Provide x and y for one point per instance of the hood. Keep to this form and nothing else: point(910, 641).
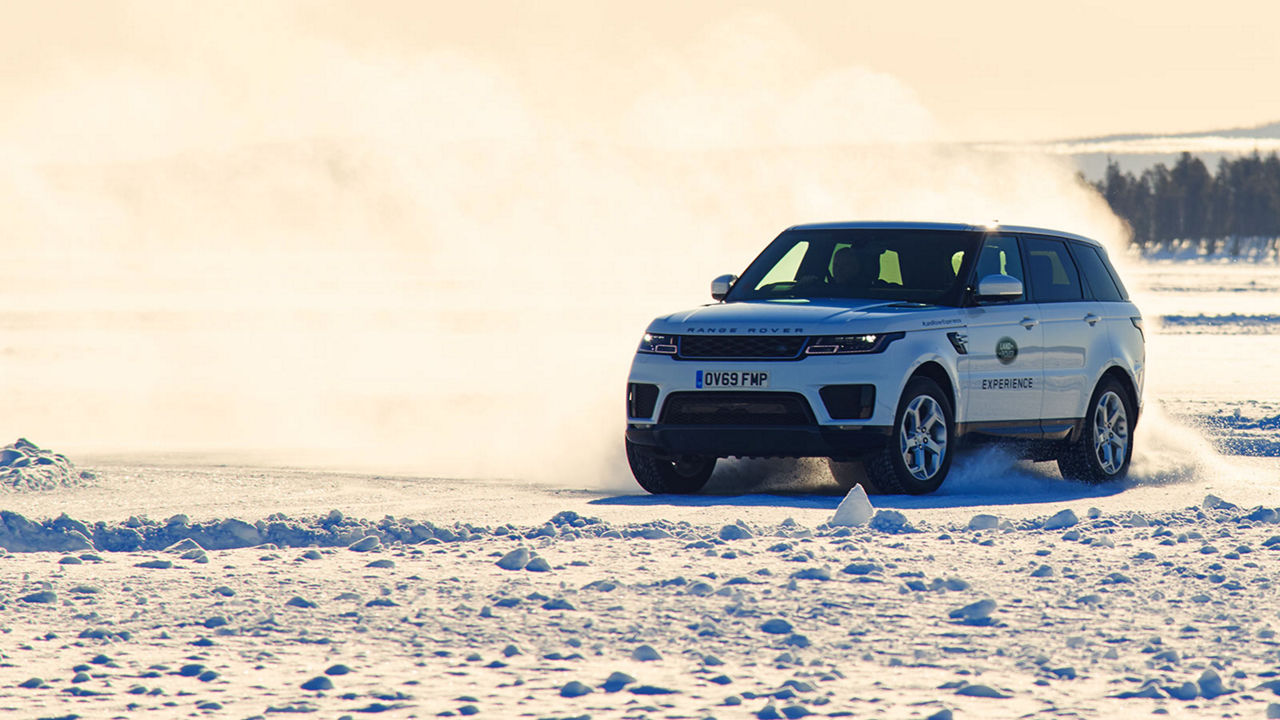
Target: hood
point(801, 317)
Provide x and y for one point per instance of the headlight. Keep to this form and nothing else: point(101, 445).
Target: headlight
point(851, 344)
point(660, 344)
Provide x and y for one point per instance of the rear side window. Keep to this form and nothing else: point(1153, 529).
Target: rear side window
point(1115, 276)
point(1094, 269)
point(1053, 274)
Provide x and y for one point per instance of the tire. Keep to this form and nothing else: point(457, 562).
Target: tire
point(848, 473)
point(1103, 451)
point(679, 475)
point(917, 456)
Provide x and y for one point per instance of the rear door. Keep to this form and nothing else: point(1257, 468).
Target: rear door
point(1004, 360)
point(1075, 338)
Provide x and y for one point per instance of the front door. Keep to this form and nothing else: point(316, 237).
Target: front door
point(1005, 360)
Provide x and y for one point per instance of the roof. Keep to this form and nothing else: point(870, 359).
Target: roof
point(954, 227)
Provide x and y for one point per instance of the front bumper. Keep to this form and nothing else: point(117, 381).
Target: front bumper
point(807, 377)
point(841, 443)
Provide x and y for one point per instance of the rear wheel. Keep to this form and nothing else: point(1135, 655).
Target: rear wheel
point(676, 474)
point(916, 458)
point(1102, 452)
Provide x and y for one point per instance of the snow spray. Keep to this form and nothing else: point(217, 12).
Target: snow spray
point(405, 261)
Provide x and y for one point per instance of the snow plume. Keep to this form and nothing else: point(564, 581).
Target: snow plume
point(254, 238)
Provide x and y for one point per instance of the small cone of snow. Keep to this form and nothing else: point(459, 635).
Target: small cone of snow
point(854, 509)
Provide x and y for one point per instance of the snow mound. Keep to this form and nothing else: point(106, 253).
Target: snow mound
point(855, 509)
point(26, 467)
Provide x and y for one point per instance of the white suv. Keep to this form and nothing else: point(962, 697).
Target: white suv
point(882, 345)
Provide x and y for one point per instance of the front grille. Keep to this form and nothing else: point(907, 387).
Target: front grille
point(736, 408)
point(725, 347)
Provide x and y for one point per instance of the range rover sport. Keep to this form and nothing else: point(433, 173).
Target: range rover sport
point(882, 346)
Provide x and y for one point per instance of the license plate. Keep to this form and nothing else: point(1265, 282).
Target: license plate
point(731, 379)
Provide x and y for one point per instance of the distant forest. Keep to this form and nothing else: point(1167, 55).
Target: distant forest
point(1234, 210)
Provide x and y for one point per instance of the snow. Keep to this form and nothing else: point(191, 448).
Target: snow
point(855, 509)
point(25, 467)
point(171, 586)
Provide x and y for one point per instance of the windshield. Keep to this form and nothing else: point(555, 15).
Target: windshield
point(918, 266)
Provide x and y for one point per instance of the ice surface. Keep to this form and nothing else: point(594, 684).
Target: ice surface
point(203, 586)
point(1101, 634)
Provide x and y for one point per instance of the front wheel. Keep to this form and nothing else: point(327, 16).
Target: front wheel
point(680, 474)
point(917, 456)
point(1104, 449)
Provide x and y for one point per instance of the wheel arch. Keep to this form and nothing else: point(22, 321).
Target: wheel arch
point(1126, 382)
point(937, 373)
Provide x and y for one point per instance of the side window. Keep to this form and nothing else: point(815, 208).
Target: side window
point(1000, 256)
point(1095, 273)
point(1053, 274)
point(1115, 276)
point(787, 267)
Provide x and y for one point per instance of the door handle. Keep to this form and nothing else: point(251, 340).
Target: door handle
point(1092, 319)
point(1028, 323)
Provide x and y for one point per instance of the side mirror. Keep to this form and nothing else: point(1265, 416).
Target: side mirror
point(999, 287)
point(720, 286)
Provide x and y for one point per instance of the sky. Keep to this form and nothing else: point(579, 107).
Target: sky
point(991, 70)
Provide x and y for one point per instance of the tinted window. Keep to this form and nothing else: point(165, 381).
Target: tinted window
point(904, 265)
point(1095, 273)
point(1000, 256)
point(1115, 276)
point(1053, 274)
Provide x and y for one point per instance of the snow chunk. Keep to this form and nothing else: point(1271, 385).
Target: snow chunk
point(318, 683)
point(861, 568)
point(855, 509)
point(644, 653)
point(1063, 519)
point(813, 573)
point(573, 689)
point(891, 522)
point(734, 532)
point(776, 626)
point(515, 560)
point(26, 467)
point(984, 522)
point(1213, 502)
point(1211, 685)
point(983, 691)
point(617, 680)
point(368, 543)
point(44, 597)
point(978, 613)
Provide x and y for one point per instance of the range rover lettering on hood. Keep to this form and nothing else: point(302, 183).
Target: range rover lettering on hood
point(744, 331)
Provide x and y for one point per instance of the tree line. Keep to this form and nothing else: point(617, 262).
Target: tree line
point(1234, 210)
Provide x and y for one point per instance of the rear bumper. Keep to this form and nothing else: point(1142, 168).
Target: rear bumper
point(842, 443)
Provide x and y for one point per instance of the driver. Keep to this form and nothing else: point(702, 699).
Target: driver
point(848, 270)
